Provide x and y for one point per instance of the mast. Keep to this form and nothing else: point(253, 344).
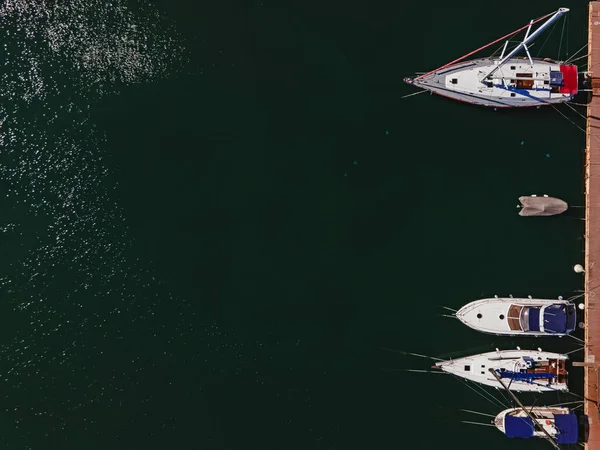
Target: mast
point(528, 38)
point(533, 419)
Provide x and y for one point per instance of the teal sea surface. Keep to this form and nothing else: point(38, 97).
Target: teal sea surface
point(221, 223)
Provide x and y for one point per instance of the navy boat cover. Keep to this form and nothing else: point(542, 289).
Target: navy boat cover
point(524, 376)
point(534, 319)
point(555, 319)
point(520, 427)
point(567, 428)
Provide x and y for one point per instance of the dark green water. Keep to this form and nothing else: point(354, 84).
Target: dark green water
point(216, 217)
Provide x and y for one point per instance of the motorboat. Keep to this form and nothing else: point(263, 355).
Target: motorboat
point(520, 316)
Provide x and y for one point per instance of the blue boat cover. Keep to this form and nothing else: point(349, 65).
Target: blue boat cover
point(523, 376)
point(556, 78)
point(520, 427)
point(567, 428)
point(529, 360)
point(555, 319)
point(534, 319)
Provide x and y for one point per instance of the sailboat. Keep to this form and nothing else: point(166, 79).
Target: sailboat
point(520, 316)
point(524, 370)
point(539, 422)
point(508, 81)
point(556, 424)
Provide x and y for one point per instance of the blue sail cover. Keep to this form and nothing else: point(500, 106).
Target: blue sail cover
point(555, 319)
point(567, 428)
point(519, 427)
point(523, 376)
point(534, 319)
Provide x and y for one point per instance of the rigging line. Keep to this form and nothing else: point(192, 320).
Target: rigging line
point(547, 37)
point(504, 396)
point(478, 423)
point(485, 46)
point(414, 93)
point(576, 112)
point(498, 50)
point(576, 350)
point(477, 412)
point(576, 53)
point(508, 388)
point(448, 315)
point(562, 114)
point(574, 394)
point(561, 37)
point(514, 397)
point(486, 395)
point(533, 404)
point(577, 104)
point(412, 354)
point(577, 339)
point(417, 371)
point(449, 309)
point(568, 24)
point(562, 404)
point(577, 59)
point(498, 400)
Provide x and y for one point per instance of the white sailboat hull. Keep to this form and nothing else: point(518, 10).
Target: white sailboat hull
point(520, 316)
point(517, 83)
point(548, 372)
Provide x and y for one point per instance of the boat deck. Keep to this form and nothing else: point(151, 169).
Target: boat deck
point(592, 234)
point(514, 317)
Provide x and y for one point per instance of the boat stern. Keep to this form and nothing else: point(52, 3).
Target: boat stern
point(559, 318)
point(570, 79)
point(571, 317)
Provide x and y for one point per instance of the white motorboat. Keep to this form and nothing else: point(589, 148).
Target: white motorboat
point(520, 316)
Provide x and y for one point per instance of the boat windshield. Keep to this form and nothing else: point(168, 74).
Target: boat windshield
point(530, 319)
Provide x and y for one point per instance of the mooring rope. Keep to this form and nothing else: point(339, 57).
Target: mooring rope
point(576, 53)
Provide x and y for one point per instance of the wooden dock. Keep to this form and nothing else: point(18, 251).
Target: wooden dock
point(592, 235)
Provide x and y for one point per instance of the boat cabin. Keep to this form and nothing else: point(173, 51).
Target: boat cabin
point(528, 370)
point(556, 318)
point(523, 81)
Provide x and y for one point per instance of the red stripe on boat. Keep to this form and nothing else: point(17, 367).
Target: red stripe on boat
point(569, 79)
